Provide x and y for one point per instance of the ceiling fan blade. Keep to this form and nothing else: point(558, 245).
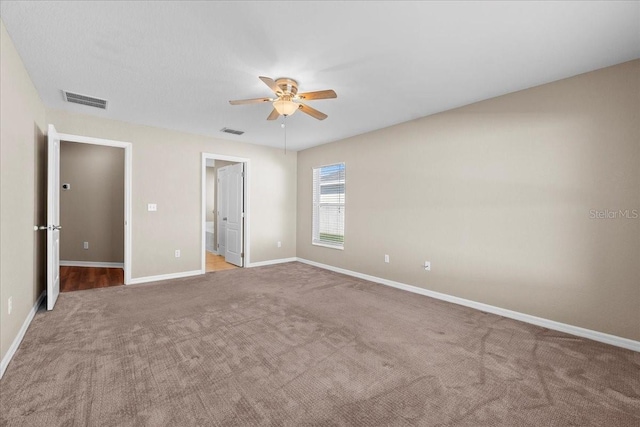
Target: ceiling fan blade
point(274, 115)
point(321, 94)
point(250, 101)
point(271, 83)
point(312, 112)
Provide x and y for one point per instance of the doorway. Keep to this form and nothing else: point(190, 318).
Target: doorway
point(53, 226)
point(225, 212)
point(92, 211)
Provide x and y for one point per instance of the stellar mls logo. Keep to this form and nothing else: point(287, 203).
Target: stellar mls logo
point(614, 214)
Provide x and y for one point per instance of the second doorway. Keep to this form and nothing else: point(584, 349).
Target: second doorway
point(224, 219)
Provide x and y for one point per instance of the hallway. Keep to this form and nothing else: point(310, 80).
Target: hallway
point(217, 263)
point(82, 278)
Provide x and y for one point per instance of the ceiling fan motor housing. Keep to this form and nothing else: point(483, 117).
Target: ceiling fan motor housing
point(287, 86)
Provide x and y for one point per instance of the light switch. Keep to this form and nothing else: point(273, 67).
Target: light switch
point(152, 207)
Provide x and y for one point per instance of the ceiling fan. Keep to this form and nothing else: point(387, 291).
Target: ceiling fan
point(288, 100)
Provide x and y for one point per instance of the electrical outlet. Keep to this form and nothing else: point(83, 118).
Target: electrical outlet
point(86, 245)
point(386, 258)
point(152, 207)
point(177, 253)
point(279, 244)
point(10, 304)
point(427, 265)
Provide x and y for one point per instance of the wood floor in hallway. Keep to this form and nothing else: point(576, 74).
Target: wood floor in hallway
point(217, 263)
point(81, 278)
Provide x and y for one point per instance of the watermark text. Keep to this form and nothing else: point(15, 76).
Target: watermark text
point(614, 214)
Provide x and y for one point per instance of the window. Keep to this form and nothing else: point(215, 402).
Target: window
point(328, 206)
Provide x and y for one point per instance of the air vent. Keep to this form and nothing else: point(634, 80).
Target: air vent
point(85, 100)
point(233, 131)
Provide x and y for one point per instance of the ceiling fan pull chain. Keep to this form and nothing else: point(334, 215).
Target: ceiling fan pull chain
point(284, 120)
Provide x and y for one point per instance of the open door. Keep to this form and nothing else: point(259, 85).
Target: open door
point(235, 214)
point(221, 217)
point(53, 217)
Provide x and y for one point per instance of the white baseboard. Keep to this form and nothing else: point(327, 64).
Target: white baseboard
point(97, 264)
point(538, 321)
point(180, 275)
point(271, 262)
point(18, 339)
point(212, 252)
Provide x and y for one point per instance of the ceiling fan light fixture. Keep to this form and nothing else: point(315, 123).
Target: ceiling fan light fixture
point(286, 91)
point(285, 107)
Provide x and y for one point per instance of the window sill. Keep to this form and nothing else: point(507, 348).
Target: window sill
point(340, 248)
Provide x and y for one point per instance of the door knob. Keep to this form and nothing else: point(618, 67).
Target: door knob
point(44, 227)
point(224, 219)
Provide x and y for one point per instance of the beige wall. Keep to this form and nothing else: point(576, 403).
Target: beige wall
point(22, 115)
point(92, 210)
point(497, 195)
point(166, 171)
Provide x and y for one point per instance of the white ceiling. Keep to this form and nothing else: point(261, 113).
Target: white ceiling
point(176, 64)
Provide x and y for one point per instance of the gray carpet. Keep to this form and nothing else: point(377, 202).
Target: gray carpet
point(294, 345)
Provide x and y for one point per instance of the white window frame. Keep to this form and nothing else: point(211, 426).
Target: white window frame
point(315, 215)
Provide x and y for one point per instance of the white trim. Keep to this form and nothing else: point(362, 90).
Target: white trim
point(159, 277)
point(212, 252)
point(326, 245)
point(527, 318)
point(91, 140)
point(203, 202)
point(128, 216)
point(18, 339)
point(272, 262)
point(68, 263)
point(128, 176)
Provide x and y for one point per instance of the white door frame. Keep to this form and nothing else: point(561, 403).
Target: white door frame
point(247, 210)
point(128, 161)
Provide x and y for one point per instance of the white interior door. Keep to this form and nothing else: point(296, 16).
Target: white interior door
point(53, 217)
point(235, 214)
point(221, 218)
